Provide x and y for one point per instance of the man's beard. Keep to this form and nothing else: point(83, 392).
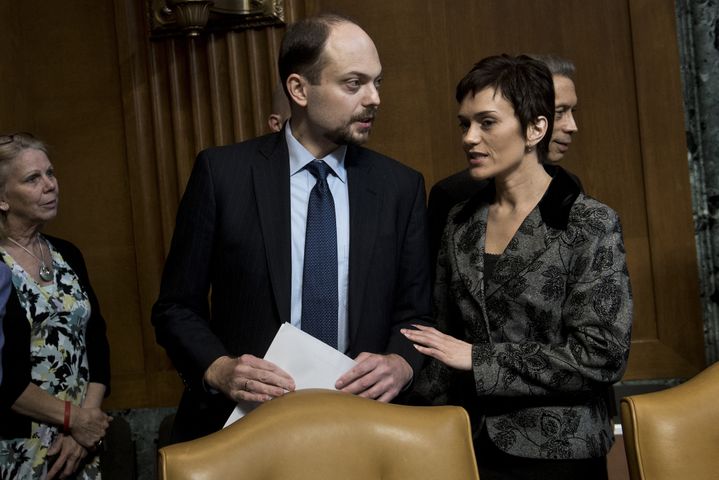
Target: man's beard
point(344, 135)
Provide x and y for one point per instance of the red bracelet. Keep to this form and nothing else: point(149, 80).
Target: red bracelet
point(66, 422)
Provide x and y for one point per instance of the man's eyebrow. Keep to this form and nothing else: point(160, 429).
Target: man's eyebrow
point(357, 73)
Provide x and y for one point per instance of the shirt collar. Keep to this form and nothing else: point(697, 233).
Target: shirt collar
point(300, 157)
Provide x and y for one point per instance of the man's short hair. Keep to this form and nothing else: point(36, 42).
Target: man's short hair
point(557, 65)
point(524, 82)
point(302, 47)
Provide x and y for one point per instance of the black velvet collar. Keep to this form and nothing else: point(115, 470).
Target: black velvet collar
point(554, 205)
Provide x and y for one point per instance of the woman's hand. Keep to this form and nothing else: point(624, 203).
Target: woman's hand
point(88, 425)
point(445, 348)
point(70, 455)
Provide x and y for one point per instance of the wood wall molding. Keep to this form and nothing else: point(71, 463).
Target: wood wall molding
point(675, 347)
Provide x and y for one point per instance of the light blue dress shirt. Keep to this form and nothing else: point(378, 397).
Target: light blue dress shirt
point(301, 183)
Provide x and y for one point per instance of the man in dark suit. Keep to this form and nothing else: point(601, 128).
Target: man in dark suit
point(460, 186)
point(242, 227)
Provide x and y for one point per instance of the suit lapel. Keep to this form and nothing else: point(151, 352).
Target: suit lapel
point(468, 241)
point(364, 199)
point(521, 255)
point(529, 242)
point(271, 180)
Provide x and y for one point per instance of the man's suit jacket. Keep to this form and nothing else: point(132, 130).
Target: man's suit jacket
point(550, 329)
point(233, 235)
point(444, 195)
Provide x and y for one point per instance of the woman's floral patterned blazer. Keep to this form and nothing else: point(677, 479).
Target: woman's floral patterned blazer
point(551, 330)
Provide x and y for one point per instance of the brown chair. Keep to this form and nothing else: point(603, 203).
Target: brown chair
point(324, 434)
point(674, 433)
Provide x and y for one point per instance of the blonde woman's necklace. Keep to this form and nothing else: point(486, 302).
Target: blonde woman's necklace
point(44, 272)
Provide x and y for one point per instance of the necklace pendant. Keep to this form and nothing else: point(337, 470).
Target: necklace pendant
point(45, 273)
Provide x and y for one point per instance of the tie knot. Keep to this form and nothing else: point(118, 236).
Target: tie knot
point(319, 169)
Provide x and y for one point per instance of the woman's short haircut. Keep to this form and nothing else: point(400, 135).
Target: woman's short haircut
point(524, 82)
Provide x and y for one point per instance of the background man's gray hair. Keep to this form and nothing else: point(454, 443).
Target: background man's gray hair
point(556, 64)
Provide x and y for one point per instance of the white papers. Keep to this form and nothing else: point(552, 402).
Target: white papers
point(310, 362)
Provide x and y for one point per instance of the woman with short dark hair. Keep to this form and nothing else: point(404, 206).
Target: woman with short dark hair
point(532, 293)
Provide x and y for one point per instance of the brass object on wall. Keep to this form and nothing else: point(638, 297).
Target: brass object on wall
point(193, 17)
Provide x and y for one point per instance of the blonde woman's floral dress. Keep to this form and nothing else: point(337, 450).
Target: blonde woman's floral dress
point(58, 314)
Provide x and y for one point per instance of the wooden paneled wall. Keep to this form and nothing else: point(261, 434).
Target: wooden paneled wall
point(59, 79)
point(126, 116)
